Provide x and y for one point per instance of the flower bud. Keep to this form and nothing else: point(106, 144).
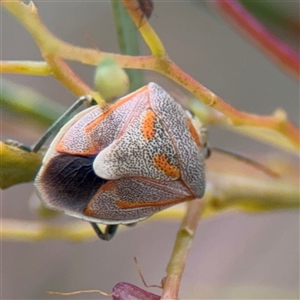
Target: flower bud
point(110, 80)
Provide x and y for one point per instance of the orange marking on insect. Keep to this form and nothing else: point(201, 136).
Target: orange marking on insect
point(124, 204)
point(148, 129)
point(60, 146)
point(161, 163)
point(62, 149)
point(194, 133)
point(90, 212)
point(112, 108)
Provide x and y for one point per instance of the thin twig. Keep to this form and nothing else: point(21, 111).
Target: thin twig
point(63, 73)
point(242, 190)
point(149, 35)
point(276, 49)
point(27, 231)
point(25, 67)
point(28, 16)
point(181, 250)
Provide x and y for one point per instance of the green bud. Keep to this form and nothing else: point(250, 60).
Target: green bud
point(110, 80)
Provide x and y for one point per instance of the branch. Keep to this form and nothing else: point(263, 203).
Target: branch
point(241, 191)
point(250, 194)
point(63, 73)
point(29, 103)
point(149, 35)
point(25, 67)
point(181, 250)
point(17, 165)
point(27, 231)
point(128, 40)
point(49, 44)
point(283, 55)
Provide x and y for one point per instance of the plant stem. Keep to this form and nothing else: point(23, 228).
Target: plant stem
point(27, 231)
point(149, 35)
point(25, 67)
point(128, 41)
point(49, 44)
point(181, 250)
point(63, 73)
point(223, 191)
point(277, 50)
point(29, 103)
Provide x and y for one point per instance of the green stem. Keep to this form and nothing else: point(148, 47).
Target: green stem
point(29, 103)
point(128, 41)
point(181, 250)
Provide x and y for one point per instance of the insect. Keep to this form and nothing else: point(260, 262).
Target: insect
point(121, 164)
point(121, 291)
point(146, 6)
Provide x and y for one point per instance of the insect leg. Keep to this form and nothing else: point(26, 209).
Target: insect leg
point(61, 121)
point(109, 233)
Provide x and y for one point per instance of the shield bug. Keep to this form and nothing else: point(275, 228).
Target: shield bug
point(120, 165)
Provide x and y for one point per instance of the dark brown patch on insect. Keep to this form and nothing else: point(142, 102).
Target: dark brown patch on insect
point(69, 181)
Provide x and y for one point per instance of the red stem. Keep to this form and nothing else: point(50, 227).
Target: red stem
point(281, 53)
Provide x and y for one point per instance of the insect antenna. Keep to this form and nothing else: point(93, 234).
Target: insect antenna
point(142, 277)
point(248, 161)
point(61, 121)
point(79, 292)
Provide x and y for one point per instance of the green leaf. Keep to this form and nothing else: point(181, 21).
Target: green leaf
point(128, 41)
